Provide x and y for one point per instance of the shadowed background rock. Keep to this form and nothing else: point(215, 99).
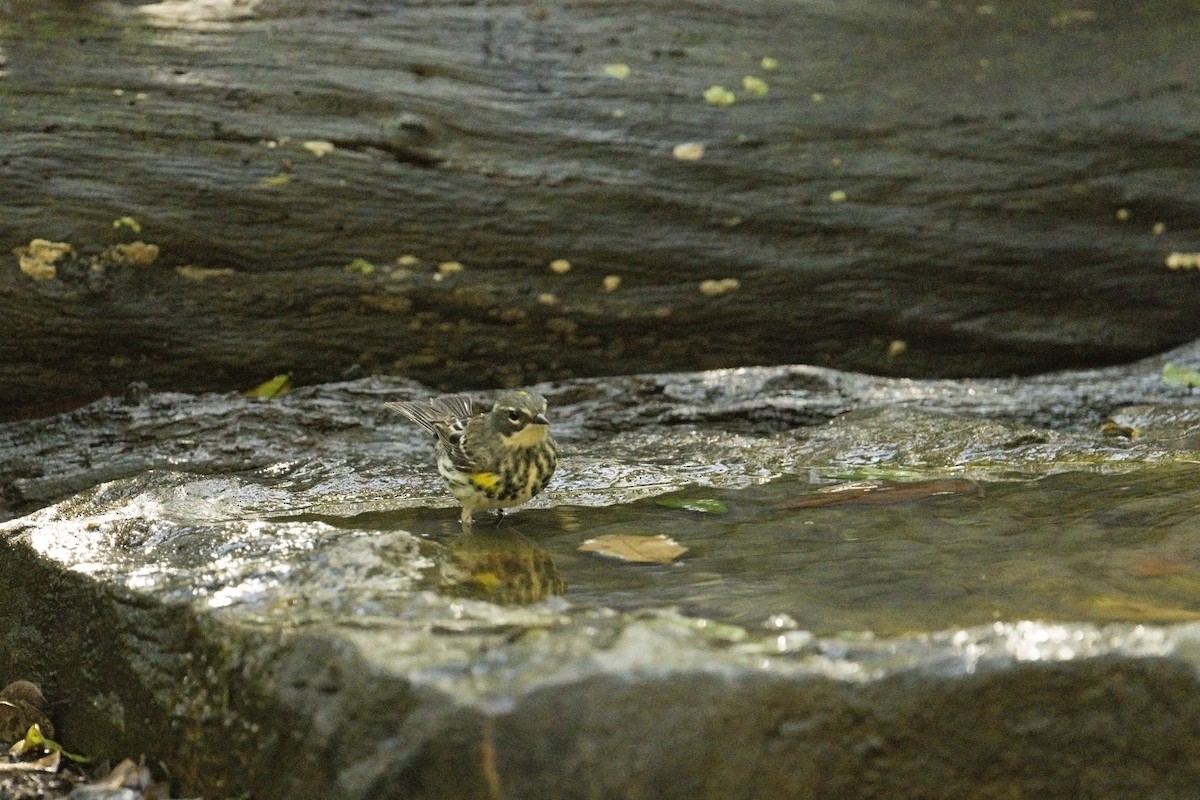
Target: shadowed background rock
point(901, 188)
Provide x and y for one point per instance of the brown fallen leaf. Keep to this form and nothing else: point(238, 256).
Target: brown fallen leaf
point(880, 494)
point(635, 549)
point(1120, 609)
point(126, 775)
point(1162, 565)
point(21, 706)
point(46, 763)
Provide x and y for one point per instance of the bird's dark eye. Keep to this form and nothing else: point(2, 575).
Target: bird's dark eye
point(514, 416)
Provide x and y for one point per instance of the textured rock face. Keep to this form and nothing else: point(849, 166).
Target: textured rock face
point(922, 190)
point(272, 596)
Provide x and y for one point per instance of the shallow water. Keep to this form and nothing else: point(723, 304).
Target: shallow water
point(1072, 546)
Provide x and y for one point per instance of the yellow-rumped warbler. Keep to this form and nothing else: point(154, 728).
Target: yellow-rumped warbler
point(491, 460)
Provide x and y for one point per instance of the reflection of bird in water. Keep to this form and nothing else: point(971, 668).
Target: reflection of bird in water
point(491, 460)
point(500, 565)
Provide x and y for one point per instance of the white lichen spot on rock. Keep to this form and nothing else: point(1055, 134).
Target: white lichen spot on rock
point(39, 257)
point(688, 151)
point(1072, 17)
point(319, 147)
point(176, 12)
point(715, 288)
point(837, 196)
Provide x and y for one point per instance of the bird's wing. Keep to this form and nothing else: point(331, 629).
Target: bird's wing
point(424, 414)
point(453, 406)
point(446, 417)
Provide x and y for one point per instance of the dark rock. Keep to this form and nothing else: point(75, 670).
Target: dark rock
point(259, 595)
point(1003, 174)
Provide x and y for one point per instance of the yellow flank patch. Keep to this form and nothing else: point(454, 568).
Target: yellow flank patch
point(485, 480)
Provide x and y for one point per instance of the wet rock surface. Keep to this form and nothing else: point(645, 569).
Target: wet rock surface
point(923, 189)
point(274, 596)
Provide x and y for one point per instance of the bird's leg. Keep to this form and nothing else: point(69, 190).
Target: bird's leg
point(466, 518)
point(499, 516)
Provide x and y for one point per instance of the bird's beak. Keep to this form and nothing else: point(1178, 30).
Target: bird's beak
point(540, 419)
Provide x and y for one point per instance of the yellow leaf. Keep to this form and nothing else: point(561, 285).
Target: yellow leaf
point(769, 63)
point(753, 85)
point(137, 254)
point(194, 273)
point(271, 181)
point(1175, 375)
point(267, 390)
point(618, 71)
point(688, 151)
point(635, 549)
point(34, 737)
point(1183, 261)
point(128, 222)
point(716, 288)
point(719, 96)
point(38, 259)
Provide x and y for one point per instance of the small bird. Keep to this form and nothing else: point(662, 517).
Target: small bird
point(491, 460)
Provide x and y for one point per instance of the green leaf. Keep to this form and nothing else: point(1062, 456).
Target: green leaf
point(1175, 375)
point(76, 757)
point(360, 266)
point(719, 96)
point(704, 505)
